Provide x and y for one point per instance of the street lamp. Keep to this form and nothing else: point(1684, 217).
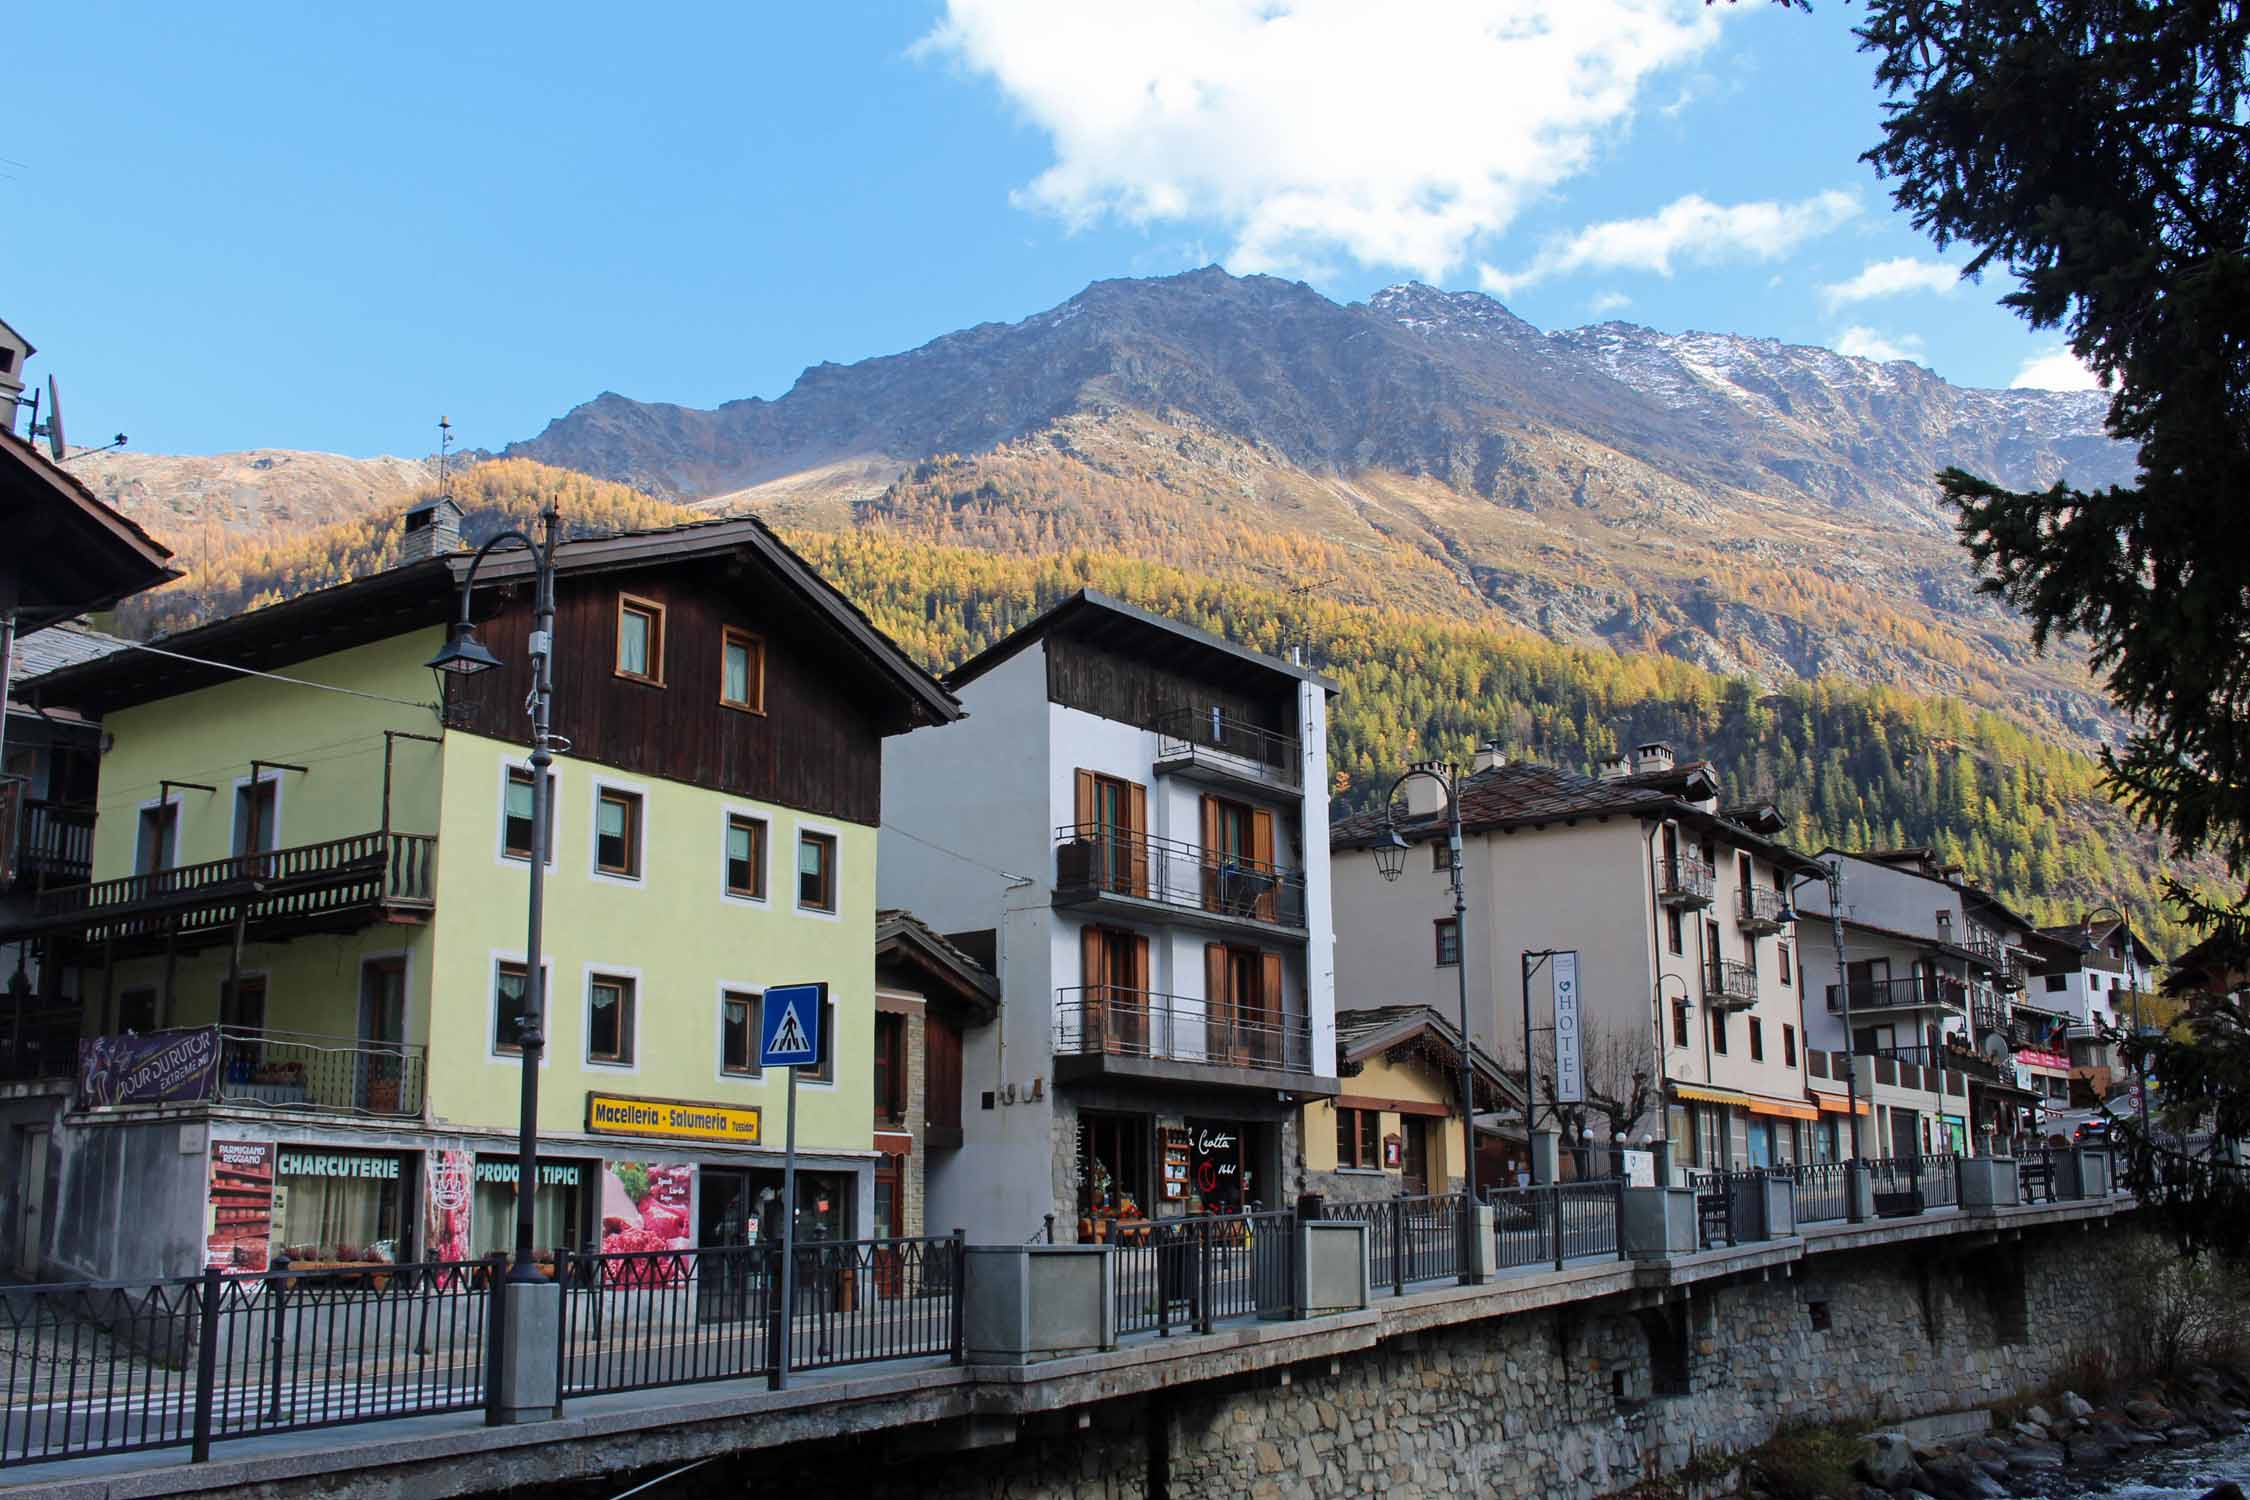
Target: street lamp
point(2086, 944)
point(1663, 1065)
point(1832, 875)
point(1390, 859)
point(463, 655)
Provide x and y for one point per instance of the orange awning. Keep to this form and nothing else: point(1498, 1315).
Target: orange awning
point(1702, 1095)
point(1784, 1111)
point(1839, 1106)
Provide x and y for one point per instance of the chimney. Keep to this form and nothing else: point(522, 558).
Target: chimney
point(1614, 768)
point(1488, 756)
point(1656, 755)
point(433, 529)
point(1423, 795)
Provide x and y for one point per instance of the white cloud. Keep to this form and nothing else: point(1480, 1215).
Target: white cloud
point(1396, 135)
point(1866, 343)
point(1691, 229)
point(1608, 302)
point(2057, 369)
point(1890, 278)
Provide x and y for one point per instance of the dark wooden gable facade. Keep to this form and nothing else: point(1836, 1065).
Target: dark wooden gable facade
point(817, 746)
point(1118, 682)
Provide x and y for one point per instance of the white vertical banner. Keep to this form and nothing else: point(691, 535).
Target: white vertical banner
point(1570, 1066)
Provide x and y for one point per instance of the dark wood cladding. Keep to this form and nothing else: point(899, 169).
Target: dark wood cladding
point(817, 747)
point(941, 1080)
point(1133, 690)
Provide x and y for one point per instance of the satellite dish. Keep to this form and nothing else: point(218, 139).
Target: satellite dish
point(54, 419)
point(1996, 1046)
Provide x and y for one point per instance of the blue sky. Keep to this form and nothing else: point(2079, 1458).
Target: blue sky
point(320, 227)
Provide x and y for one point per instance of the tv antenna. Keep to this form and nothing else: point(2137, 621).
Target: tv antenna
point(444, 448)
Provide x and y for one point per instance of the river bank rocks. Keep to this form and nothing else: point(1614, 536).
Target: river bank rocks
point(2053, 1449)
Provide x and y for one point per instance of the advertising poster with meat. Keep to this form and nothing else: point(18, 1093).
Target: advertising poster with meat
point(647, 1206)
point(239, 1231)
point(446, 1204)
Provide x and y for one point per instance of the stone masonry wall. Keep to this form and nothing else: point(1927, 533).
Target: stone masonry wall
point(1560, 1404)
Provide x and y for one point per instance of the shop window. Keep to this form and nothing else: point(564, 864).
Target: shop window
point(516, 814)
point(746, 857)
point(742, 671)
point(558, 1207)
point(1113, 1170)
point(617, 833)
point(1359, 1143)
point(640, 640)
point(509, 1003)
point(610, 1020)
point(816, 872)
point(890, 1067)
point(1448, 933)
point(1757, 1040)
point(158, 845)
point(339, 1208)
point(738, 1035)
point(1788, 1045)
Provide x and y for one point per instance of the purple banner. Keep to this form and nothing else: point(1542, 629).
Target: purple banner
point(162, 1067)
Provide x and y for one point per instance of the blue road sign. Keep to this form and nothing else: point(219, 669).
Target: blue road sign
point(790, 1034)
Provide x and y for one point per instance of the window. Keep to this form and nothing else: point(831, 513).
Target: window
point(738, 1035)
point(617, 833)
point(816, 871)
point(1679, 1023)
point(890, 1067)
point(248, 1009)
point(509, 1002)
point(609, 1020)
point(1783, 950)
point(1718, 1030)
point(136, 1010)
point(2056, 983)
point(1757, 1040)
point(256, 804)
point(640, 639)
point(1359, 1142)
point(1788, 1045)
point(742, 670)
point(515, 815)
point(1448, 941)
point(1675, 933)
point(746, 857)
point(1441, 856)
point(159, 845)
point(825, 1071)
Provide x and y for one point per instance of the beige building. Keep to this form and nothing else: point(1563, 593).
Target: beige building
point(1680, 918)
point(1396, 1127)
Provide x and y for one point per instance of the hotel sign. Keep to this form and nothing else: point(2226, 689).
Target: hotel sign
point(672, 1119)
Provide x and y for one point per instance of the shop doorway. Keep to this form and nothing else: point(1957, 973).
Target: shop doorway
point(31, 1198)
point(1414, 1156)
point(1113, 1172)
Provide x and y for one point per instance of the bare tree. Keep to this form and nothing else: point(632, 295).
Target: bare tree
point(1621, 1084)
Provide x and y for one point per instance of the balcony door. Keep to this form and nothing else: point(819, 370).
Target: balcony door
point(1112, 816)
point(1115, 1016)
point(381, 1063)
point(1242, 1006)
point(1238, 867)
point(1870, 981)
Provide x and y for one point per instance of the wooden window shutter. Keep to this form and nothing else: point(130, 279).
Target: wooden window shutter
point(1139, 803)
point(1085, 803)
point(1136, 1024)
point(1218, 1001)
point(1271, 1013)
point(1093, 1008)
point(1261, 850)
point(1210, 853)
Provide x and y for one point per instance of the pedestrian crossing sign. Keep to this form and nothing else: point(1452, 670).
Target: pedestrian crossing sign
point(790, 1036)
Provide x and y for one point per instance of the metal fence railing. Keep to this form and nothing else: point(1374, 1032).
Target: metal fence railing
point(1819, 1190)
point(1409, 1239)
point(1906, 1185)
point(641, 1319)
point(1192, 1273)
point(183, 1362)
point(1555, 1223)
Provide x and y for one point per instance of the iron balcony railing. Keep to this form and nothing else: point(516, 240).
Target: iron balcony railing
point(2015, 970)
point(1093, 861)
point(1219, 741)
point(254, 1068)
point(1759, 908)
point(42, 841)
point(1098, 1020)
point(306, 882)
point(1684, 880)
point(1729, 984)
point(1914, 992)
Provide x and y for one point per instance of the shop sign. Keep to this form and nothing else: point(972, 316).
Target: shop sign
point(551, 1173)
point(1639, 1167)
point(1570, 1071)
point(446, 1207)
point(338, 1164)
point(238, 1225)
point(672, 1119)
point(162, 1067)
point(1219, 1177)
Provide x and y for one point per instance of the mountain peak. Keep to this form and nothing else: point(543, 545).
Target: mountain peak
point(1424, 309)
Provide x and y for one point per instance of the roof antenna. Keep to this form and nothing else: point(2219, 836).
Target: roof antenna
point(444, 445)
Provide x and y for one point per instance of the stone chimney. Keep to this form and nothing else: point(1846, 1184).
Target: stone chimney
point(1656, 755)
point(1488, 756)
point(433, 529)
point(1614, 768)
point(1423, 795)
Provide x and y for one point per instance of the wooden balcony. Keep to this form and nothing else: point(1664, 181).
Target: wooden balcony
point(276, 894)
point(43, 843)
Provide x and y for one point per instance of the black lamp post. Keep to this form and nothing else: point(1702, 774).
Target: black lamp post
point(463, 655)
point(2086, 944)
point(1832, 875)
point(1390, 859)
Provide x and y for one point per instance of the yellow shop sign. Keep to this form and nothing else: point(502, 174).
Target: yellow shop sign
point(671, 1119)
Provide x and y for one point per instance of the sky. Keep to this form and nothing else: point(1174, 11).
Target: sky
point(250, 225)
